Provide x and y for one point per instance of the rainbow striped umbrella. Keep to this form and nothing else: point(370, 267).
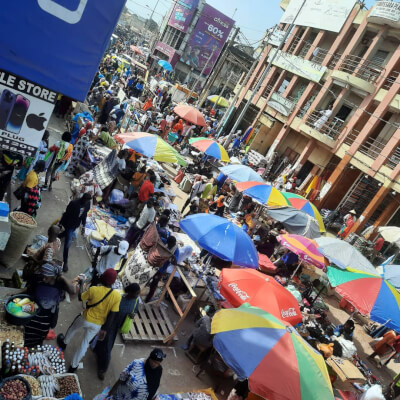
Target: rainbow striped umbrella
point(369, 294)
point(306, 249)
point(276, 360)
point(301, 203)
point(151, 146)
point(211, 148)
point(265, 194)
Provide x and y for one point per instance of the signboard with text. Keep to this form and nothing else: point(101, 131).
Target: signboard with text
point(327, 15)
point(281, 104)
point(208, 39)
point(385, 12)
point(25, 110)
point(297, 65)
point(57, 43)
point(182, 14)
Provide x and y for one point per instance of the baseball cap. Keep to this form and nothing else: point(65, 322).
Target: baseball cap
point(157, 355)
point(123, 247)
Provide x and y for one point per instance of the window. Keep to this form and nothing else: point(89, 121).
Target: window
point(173, 37)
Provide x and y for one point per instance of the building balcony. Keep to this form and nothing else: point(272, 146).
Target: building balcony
point(351, 137)
point(324, 131)
point(372, 148)
point(394, 160)
point(357, 72)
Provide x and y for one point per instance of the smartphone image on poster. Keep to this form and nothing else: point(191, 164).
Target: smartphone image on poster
point(18, 114)
point(7, 101)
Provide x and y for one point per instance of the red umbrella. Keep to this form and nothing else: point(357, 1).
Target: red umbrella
point(240, 286)
point(137, 50)
point(190, 114)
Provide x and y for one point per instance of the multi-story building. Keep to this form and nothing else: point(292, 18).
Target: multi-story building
point(192, 38)
point(329, 108)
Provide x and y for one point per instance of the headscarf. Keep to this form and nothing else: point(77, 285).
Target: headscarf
point(31, 180)
point(220, 201)
point(51, 270)
point(183, 254)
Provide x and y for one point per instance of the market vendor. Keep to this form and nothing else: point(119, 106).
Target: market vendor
point(140, 380)
point(48, 290)
point(146, 217)
point(387, 346)
point(346, 330)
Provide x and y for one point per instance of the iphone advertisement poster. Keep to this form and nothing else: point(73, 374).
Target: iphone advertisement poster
point(25, 110)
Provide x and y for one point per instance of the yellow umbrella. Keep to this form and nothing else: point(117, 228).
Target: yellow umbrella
point(222, 102)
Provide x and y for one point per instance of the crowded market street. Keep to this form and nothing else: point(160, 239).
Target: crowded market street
point(193, 208)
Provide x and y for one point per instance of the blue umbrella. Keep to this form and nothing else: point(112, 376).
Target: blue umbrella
point(165, 64)
point(241, 173)
point(391, 273)
point(221, 238)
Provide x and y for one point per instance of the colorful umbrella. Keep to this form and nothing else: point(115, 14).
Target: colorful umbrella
point(369, 294)
point(222, 102)
point(241, 173)
point(344, 255)
point(222, 238)
point(211, 148)
point(265, 194)
point(151, 146)
point(305, 248)
point(246, 285)
point(190, 114)
point(165, 64)
point(301, 203)
point(391, 273)
point(276, 360)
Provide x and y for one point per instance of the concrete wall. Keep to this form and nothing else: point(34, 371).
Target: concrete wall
point(265, 137)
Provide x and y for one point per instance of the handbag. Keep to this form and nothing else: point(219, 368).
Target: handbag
point(19, 193)
point(127, 325)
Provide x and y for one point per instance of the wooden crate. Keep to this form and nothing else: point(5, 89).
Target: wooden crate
point(151, 323)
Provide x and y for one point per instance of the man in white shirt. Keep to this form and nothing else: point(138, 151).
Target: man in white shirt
point(197, 188)
point(110, 257)
point(146, 217)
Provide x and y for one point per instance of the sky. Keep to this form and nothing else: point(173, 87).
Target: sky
point(252, 16)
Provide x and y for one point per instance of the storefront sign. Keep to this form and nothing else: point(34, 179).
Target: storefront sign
point(207, 40)
point(25, 110)
point(57, 43)
point(297, 65)
point(167, 50)
point(385, 12)
point(327, 15)
point(276, 37)
point(281, 104)
point(182, 14)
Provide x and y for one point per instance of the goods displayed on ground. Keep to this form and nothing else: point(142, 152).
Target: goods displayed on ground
point(15, 389)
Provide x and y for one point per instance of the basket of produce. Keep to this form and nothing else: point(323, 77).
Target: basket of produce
point(33, 384)
point(15, 388)
point(59, 385)
point(20, 309)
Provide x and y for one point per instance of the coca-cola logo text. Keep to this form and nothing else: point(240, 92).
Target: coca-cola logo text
point(240, 293)
point(290, 312)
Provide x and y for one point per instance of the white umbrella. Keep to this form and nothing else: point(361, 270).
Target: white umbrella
point(390, 234)
point(344, 255)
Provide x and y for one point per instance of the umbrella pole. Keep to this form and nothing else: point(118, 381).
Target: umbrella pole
point(208, 262)
point(295, 271)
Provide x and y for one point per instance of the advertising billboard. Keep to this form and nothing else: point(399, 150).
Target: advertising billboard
point(208, 39)
point(327, 15)
point(25, 110)
point(182, 14)
point(57, 43)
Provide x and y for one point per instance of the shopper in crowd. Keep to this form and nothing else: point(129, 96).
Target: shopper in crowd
point(110, 256)
point(197, 188)
point(102, 307)
point(146, 217)
point(140, 380)
point(73, 217)
point(31, 200)
point(48, 289)
point(127, 309)
point(147, 188)
point(57, 158)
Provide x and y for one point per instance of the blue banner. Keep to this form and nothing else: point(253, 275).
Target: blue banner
point(57, 43)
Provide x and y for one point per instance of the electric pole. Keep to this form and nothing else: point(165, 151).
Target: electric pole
point(261, 80)
point(201, 73)
point(217, 69)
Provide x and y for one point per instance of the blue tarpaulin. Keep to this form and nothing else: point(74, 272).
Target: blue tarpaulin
point(57, 43)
